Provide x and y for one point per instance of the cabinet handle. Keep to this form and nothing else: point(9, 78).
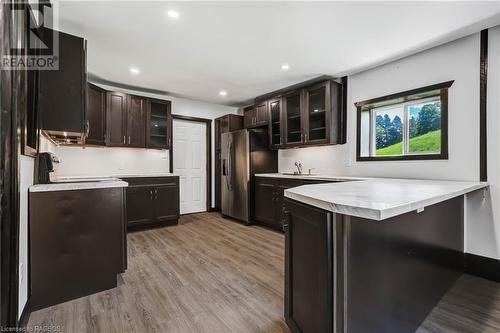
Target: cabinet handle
point(124, 139)
point(151, 195)
point(129, 139)
point(284, 220)
point(305, 137)
point(87, 128)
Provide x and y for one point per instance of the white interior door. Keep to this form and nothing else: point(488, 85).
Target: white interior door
point(190, 160)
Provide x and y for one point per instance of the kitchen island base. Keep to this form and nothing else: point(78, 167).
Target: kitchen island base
point(78, 243)
point(357, 275)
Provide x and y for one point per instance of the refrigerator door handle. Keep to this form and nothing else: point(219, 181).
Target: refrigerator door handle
point(229, 179)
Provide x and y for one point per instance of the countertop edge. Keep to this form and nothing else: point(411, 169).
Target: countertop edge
point(380, 214)
point(53, 187)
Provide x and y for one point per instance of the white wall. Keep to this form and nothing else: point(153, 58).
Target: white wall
point(459, 61)
point(483, 214)
point(92, 161)
point(26, 166)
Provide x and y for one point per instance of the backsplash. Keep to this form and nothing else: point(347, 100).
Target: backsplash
point(97, 161)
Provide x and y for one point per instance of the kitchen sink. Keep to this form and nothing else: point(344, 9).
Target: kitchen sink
point(297, 174)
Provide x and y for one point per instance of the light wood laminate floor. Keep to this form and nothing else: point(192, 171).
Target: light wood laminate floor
point(211, 275)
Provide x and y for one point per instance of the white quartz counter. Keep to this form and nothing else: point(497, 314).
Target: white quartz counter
point(79, 185)
point(379, 198)
point(70, 178)
point(331, 178)
point(68, 183)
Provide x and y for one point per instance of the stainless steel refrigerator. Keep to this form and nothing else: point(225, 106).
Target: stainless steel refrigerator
point(243, 154)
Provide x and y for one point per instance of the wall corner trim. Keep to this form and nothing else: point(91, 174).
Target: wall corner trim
point(483, 85)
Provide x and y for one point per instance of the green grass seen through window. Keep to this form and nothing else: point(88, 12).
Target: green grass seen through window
point(427, 143)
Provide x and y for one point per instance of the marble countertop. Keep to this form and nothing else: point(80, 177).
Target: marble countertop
point(68, 183)
point(379, 198)
point(119, 176)
point(87, 184)
point(332, 178)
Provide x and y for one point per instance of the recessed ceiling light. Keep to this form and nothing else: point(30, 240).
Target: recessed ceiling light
point(173, 14)
point(223, 93)
point(285, 67)
point(134, 70)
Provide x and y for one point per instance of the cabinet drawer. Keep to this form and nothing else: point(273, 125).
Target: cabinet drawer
point(151, 181)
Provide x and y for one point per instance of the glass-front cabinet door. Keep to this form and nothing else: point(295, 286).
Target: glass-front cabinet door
point(275, 123)
point(158, 125)
point(317, 108)
point(293, 118)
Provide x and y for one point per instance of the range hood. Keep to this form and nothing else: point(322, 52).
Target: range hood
point(65, 138)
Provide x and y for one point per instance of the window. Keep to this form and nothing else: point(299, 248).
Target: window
point(404, 126)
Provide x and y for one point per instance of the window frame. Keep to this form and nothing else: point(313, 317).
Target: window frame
point(408, 98)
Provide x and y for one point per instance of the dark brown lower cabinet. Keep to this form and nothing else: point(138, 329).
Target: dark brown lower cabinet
point(308, 269)
point(268, 199)
point(77, 243)
point(356, 275)
point(152, 201)
point(265, 195)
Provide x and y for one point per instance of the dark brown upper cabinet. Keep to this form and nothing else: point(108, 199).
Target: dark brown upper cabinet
point(318, 113)
point(256, 115)
point(116, 117)
point(249, 116)
point(261, 114)
point(62, 92)
point(275, 123)
point(95, 115)
point(292, 129)
point(136, 122)
point(310, 115)
point(158, 124)
point(125, 120)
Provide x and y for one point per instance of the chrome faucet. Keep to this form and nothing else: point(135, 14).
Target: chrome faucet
point(299, 167)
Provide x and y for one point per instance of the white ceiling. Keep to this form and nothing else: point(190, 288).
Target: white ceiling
point(240, 46)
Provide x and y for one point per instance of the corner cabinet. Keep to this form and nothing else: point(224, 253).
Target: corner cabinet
point(158, 124)
point(307, 116)
point(95, 115)
point(269, 196)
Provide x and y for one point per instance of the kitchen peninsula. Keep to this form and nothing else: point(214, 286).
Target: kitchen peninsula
point(372, 255)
